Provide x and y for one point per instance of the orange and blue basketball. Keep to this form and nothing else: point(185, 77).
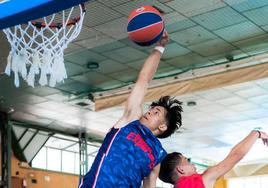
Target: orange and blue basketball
point(145, 26)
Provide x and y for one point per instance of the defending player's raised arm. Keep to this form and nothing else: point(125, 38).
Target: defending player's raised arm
point(133, 106)
point(236, 154)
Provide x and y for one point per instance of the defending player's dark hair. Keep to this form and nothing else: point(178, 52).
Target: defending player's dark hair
point(168, 166)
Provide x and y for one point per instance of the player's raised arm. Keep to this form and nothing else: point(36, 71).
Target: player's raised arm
point(133, 106)
point(236, 154)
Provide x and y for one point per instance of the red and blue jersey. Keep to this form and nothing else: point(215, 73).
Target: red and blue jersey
point(125, 158)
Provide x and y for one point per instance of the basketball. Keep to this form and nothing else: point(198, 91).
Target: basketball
point(145, 26)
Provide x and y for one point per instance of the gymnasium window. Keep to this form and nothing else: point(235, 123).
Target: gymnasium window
point(40, 160)
point(68, 161)
point(61, 154)
point(53, 159)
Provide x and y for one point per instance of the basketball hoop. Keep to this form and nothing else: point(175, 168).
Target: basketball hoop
point(37, 47)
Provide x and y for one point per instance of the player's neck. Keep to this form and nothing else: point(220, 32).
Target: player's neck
point(155, 131)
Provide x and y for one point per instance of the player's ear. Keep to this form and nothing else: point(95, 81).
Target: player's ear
point(162, 128)
point(179, 170)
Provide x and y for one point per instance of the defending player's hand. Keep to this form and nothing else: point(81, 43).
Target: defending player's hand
point(264, 137)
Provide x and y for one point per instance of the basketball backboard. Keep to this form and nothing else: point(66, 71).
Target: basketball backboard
point(14, 12)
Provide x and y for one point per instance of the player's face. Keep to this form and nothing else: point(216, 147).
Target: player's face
point(188, 167)
point(154, 117)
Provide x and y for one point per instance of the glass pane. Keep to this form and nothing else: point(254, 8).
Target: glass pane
point(77, 167)
point(36, 143)
point(25, 139)
point(68, 162)
point(92, 150)
point(53, 159)
point(236, 183)
point(58, 143)
point(264, 181)
point(39, 160)
point(249, 182)
point(74, 148)
point(252, 182)
point(90, 161)
point(18, 131)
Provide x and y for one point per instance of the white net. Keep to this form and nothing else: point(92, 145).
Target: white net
point(38, 47)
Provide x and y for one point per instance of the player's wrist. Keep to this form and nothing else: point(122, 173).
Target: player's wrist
point(161, 49)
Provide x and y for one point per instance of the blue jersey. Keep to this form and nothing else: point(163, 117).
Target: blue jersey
point(126, 156)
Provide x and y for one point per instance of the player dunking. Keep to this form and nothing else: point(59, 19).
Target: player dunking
point(131, 152)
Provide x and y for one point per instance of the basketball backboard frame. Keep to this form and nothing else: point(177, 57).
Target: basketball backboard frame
point(14, 12)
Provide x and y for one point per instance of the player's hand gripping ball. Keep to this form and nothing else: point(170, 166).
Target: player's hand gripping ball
point(145, 26)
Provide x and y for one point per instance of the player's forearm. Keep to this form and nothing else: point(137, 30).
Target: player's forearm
point(243, 147)
point(145, 76)
point(150, 66)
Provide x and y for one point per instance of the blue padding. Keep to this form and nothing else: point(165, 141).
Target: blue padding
point(148, 43)
point(143, 20)
point(14, 12)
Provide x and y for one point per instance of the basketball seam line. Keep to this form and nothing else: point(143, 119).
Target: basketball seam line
point(143, 13)
point(146, 27)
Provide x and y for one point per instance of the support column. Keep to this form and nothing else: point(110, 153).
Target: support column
point(5, 128)
point(83, 156)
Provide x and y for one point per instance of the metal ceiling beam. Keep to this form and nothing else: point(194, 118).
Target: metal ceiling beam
point(91, 137)
point(38, 127)
point(69, 146)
